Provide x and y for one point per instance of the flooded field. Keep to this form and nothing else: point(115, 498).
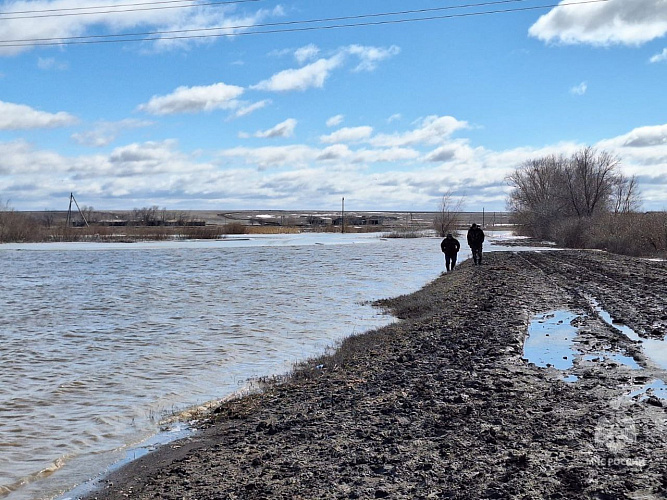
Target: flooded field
point(101, 342)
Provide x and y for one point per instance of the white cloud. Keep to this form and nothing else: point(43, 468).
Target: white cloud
point(454, 151)
point(394, 117)
point(306, 53)
point(370, 56)
point(314, 75)
point(641, 137)
point(21, 117)
point(149, 158)
point(334, 121)
point(194, 99)
point(298, 155)
point(348, 134)
point(283, 129)
point(579, 89)
point(310, 76)
point(612, 22)
point(244, 110)
point(410, 167)
point(334, 152)
point(104, 133)
point(385, 155)
point(203, 17)
point(659, 57)
point(432, 130)
point(643, 152)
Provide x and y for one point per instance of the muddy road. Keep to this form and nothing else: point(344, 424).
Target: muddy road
point(443, 404)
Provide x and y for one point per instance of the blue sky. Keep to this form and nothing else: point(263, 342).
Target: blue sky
point(389, 116)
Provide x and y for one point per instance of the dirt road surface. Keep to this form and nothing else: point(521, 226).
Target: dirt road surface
point(443, 404)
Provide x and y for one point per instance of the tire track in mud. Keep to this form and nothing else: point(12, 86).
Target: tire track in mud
point(633, 291)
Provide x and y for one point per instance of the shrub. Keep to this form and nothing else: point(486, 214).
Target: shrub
point(623, 233)
point(17, 227)
point(233, 228)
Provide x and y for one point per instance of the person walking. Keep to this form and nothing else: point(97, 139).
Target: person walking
point(475, 241)
point(450, 247)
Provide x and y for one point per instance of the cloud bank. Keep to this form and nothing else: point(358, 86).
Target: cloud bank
point(613, 22)
point(409, 167)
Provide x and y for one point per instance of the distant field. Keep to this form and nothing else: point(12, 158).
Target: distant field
point(298, 218)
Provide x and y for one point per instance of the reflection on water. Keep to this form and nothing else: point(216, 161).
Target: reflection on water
point(654, 349)
point(549, 341)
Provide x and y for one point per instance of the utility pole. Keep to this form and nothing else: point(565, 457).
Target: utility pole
point(342, 216)
point(69, 211)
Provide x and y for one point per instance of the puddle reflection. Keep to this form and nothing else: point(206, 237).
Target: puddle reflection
point(550, 340)
point(550, 343)
point(655, 350)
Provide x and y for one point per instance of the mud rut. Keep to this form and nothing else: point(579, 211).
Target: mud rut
point(443, 404)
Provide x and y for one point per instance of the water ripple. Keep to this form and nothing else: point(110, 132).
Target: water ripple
point(99, 345)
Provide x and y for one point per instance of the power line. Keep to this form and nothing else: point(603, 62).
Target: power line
point(194, 4)
point(74, 10)
point(150, 36)
point(273, 24)
point(118, 11)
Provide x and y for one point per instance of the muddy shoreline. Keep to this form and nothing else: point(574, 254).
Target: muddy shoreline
point(443, 404)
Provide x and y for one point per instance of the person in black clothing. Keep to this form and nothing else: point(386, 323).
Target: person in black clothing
point(450, 247)
point(475, 240)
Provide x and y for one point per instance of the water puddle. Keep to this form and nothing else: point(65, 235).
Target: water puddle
point(655, 350)
point(550, 340)
point(551, 344)
point(614, 357)
point(656, 388)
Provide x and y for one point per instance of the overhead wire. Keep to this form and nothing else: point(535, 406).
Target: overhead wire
point(197, 3)
point(76, 11)
point(285, 23)
point(151, 36)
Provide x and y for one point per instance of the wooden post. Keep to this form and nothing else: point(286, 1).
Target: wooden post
point(69, 210)
point(342, 216)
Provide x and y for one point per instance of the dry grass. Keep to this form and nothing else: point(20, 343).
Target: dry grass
point(17, 227)
point(271, 230)
point(634, 234)
point(404, 233)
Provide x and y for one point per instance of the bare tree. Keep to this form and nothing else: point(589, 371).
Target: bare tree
point(447, 214)
point(536, 199)
point(547, 191)
point(90, 214)
point(625, 196)
point(589, 179)
point(148, 216)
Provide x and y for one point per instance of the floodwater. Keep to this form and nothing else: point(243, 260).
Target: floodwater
point(101, 342)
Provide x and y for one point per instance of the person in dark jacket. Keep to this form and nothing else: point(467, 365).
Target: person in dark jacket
point(475, 241)
point(450, 247)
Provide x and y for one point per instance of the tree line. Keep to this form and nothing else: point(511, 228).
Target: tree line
point(584, 201)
